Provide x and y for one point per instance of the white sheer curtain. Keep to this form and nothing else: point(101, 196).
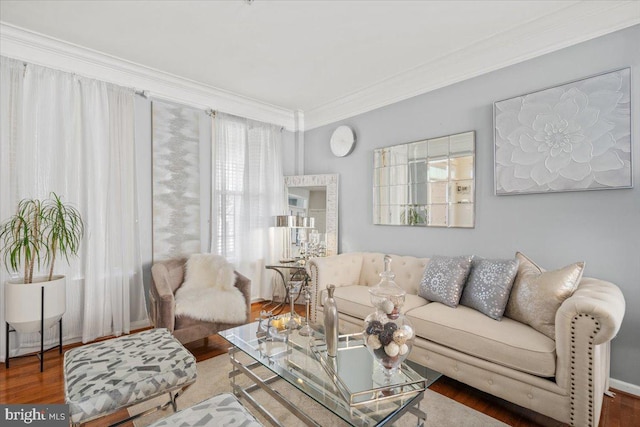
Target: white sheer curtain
point(75, 136)
point(248, 191)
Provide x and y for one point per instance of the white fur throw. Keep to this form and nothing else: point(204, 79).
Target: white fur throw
point(208, 271)
point(208, 292)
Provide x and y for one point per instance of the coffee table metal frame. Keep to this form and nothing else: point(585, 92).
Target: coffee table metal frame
point(290, 361)
point(407, 382)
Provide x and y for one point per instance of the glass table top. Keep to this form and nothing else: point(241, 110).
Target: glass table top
point(352, 385)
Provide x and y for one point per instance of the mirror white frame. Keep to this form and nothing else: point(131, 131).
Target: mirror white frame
point(330, 182)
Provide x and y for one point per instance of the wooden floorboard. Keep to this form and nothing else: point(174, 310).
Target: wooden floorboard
point(24, 383)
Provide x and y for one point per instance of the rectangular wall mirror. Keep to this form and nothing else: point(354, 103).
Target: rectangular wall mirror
point(429, 183)
point(316, 196)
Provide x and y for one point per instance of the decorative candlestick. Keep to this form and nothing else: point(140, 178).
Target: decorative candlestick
point(293, 323)
point(306, 330)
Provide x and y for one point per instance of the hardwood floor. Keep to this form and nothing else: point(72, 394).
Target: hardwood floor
point(24, 383)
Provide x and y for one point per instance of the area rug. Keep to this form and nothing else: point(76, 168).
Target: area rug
point(213, 379)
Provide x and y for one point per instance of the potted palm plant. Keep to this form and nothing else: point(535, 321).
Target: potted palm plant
point(36, 236)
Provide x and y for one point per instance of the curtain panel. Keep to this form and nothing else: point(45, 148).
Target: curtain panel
point(248, 191)
point(75, 136)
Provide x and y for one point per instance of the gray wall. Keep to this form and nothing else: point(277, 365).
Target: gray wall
point(601, 228)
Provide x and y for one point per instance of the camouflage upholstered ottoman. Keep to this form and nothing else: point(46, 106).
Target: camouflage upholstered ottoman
point(221, 410)
point(107, 376)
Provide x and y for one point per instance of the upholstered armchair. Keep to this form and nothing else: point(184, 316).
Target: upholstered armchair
point(167, 277)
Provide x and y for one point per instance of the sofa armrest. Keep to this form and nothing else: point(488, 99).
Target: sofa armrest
point(163, 302)
point(244, 285)
point(585, 323)
point(338, 270)
point(598, 299)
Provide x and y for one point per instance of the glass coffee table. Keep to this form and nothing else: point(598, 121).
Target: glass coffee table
point(352, 386)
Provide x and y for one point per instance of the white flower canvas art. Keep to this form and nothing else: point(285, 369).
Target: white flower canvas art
point(572, 137)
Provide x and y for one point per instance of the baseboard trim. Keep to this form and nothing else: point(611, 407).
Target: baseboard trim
point(626, 387)
point(140, 324)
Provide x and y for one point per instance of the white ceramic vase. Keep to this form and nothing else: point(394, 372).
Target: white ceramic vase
point(22, 303)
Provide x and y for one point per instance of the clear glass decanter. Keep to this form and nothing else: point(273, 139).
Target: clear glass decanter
point(388, 333)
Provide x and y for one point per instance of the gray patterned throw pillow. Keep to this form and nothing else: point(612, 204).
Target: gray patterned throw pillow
point(489, 284)
point(444, 278)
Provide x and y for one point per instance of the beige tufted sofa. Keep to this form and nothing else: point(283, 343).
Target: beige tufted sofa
point(564, 379)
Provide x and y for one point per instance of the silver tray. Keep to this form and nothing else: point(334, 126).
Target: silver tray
point(361, 379)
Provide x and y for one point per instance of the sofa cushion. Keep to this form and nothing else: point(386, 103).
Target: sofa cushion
point(443, 279)
point(339, 270)
point(372, 266)
point(354, 301)
point(408, 270)
point(508, 342)
point(489, 284)
point(537, 294)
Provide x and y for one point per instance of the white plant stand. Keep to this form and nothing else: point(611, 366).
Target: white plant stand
point(23, 314)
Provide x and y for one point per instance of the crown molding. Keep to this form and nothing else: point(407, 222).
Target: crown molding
point(574, 24)
point(36, 48)
point(570, 26)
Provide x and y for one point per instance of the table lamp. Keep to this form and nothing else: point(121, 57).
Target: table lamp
point(287, 222)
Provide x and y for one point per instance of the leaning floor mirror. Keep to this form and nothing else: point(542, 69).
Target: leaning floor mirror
point(426, 183)
point(314, 196)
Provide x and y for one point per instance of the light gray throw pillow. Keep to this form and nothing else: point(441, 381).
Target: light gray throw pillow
point(444, 278)
point(489, 284)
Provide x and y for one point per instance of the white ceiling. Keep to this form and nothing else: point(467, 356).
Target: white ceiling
point(330, 59)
